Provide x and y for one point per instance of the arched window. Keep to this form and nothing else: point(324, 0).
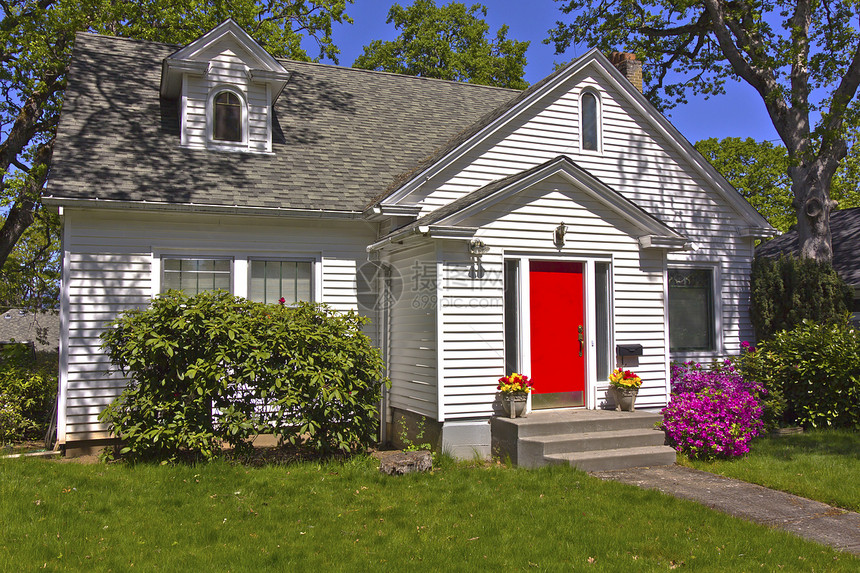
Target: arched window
point(589, 126)
point(227, 121)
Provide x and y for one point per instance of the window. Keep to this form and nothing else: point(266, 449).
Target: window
point(227, 120)
point(603, 319)
point(691, 310)
point(193, 276)
point(589, 122)
point(273, 280)
point(512, 316)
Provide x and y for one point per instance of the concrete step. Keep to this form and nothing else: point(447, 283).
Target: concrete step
point(616, 459)
point(551, 423)
point(589, 441)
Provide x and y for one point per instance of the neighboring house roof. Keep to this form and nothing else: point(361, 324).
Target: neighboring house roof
point(41, 328)
point(341, 135)
point(845, 229)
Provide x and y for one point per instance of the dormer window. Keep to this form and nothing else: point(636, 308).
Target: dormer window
point(589, 115)
point(227, 121)
point(226, 85)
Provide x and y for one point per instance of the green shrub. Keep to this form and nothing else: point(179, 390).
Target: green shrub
point(812, 374)
point(27, 394)
point(215, 368)
point(787, 290)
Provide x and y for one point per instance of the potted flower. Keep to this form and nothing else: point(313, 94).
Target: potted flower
point(514, 390)
point(624, 387)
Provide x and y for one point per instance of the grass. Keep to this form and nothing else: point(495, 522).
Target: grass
point(345, 517)
point(823, 465)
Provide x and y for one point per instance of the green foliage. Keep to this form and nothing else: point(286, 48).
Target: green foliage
point(801, 58)
point(30, 277)
point(27, 394)
point(448, 42)
point(759, 171)
point(787, 290)
point(813, 371)
point(216, 368)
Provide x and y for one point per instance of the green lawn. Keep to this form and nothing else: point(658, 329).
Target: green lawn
point(348, 517)
point(823, 465)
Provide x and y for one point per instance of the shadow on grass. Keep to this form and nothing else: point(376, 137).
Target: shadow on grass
point(815, 442)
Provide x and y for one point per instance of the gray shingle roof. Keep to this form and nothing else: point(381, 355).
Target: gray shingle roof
point(341, 136)
point(845, 228)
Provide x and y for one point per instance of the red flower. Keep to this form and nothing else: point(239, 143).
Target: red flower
point(282, 300)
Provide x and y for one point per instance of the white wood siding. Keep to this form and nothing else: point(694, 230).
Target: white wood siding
point(412, 356)
point(637, 161)
point(110, 257)
point(227, 69)
point(473, 331)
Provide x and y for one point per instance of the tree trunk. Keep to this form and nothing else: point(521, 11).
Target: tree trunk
point(811, 188)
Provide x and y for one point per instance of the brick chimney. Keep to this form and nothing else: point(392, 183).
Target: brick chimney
point(629, 66)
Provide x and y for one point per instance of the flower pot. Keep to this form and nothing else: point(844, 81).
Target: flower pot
point(515, 405)
point(624, 398)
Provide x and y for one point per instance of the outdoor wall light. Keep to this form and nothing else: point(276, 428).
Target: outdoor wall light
point(558, 235)
point(477, 247)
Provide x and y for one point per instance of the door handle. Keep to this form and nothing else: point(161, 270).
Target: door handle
point(581, 340)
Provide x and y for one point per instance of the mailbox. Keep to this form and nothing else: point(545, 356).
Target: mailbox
point(629, 349)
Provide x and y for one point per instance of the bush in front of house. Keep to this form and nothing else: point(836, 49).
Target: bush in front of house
point(785, 291)
point(813, 372)
point(214, 368)
point(27, 394)
point(713, 412)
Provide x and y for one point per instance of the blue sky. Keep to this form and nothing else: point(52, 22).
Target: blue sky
point(740, 113)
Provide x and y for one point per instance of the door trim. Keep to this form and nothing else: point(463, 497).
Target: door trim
point(589, 313)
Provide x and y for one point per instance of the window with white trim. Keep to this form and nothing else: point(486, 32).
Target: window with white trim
point(692, 324)
point(193, 276)
point(272, 280)
point(227, 117)
point(589, 122)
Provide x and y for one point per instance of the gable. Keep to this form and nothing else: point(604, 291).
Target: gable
point(563, 189)
point(641, 155)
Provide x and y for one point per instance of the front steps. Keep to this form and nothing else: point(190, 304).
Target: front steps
point(591, 440)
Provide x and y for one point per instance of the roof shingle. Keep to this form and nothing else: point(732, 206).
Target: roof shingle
point(341, 135)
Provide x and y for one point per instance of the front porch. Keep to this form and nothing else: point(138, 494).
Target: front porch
point(591, 440)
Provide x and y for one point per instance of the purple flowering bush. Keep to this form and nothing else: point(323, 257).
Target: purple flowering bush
point(714, 412)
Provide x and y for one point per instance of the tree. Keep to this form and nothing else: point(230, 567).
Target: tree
point(448, 42)
point(36, 39)
point(801, 56)
point(758, 170)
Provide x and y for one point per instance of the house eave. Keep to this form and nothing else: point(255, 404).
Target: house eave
point(663, 242)
point(159, 206)
point(757, 233)
point(172, 71)
point(380, 212)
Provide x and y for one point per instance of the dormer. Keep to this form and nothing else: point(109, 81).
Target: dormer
point(226, 84)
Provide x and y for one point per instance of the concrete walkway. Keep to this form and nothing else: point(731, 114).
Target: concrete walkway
point(809, 519)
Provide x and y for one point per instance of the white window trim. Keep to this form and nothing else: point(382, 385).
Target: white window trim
point(598, 120)
point(716, 285)
point(158, 267)
point(316, 273)
point(240, 272)
point(217, 144)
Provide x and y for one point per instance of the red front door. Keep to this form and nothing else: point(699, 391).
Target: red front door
point(557, 334)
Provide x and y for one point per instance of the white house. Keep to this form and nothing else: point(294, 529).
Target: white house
point(553, 231)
